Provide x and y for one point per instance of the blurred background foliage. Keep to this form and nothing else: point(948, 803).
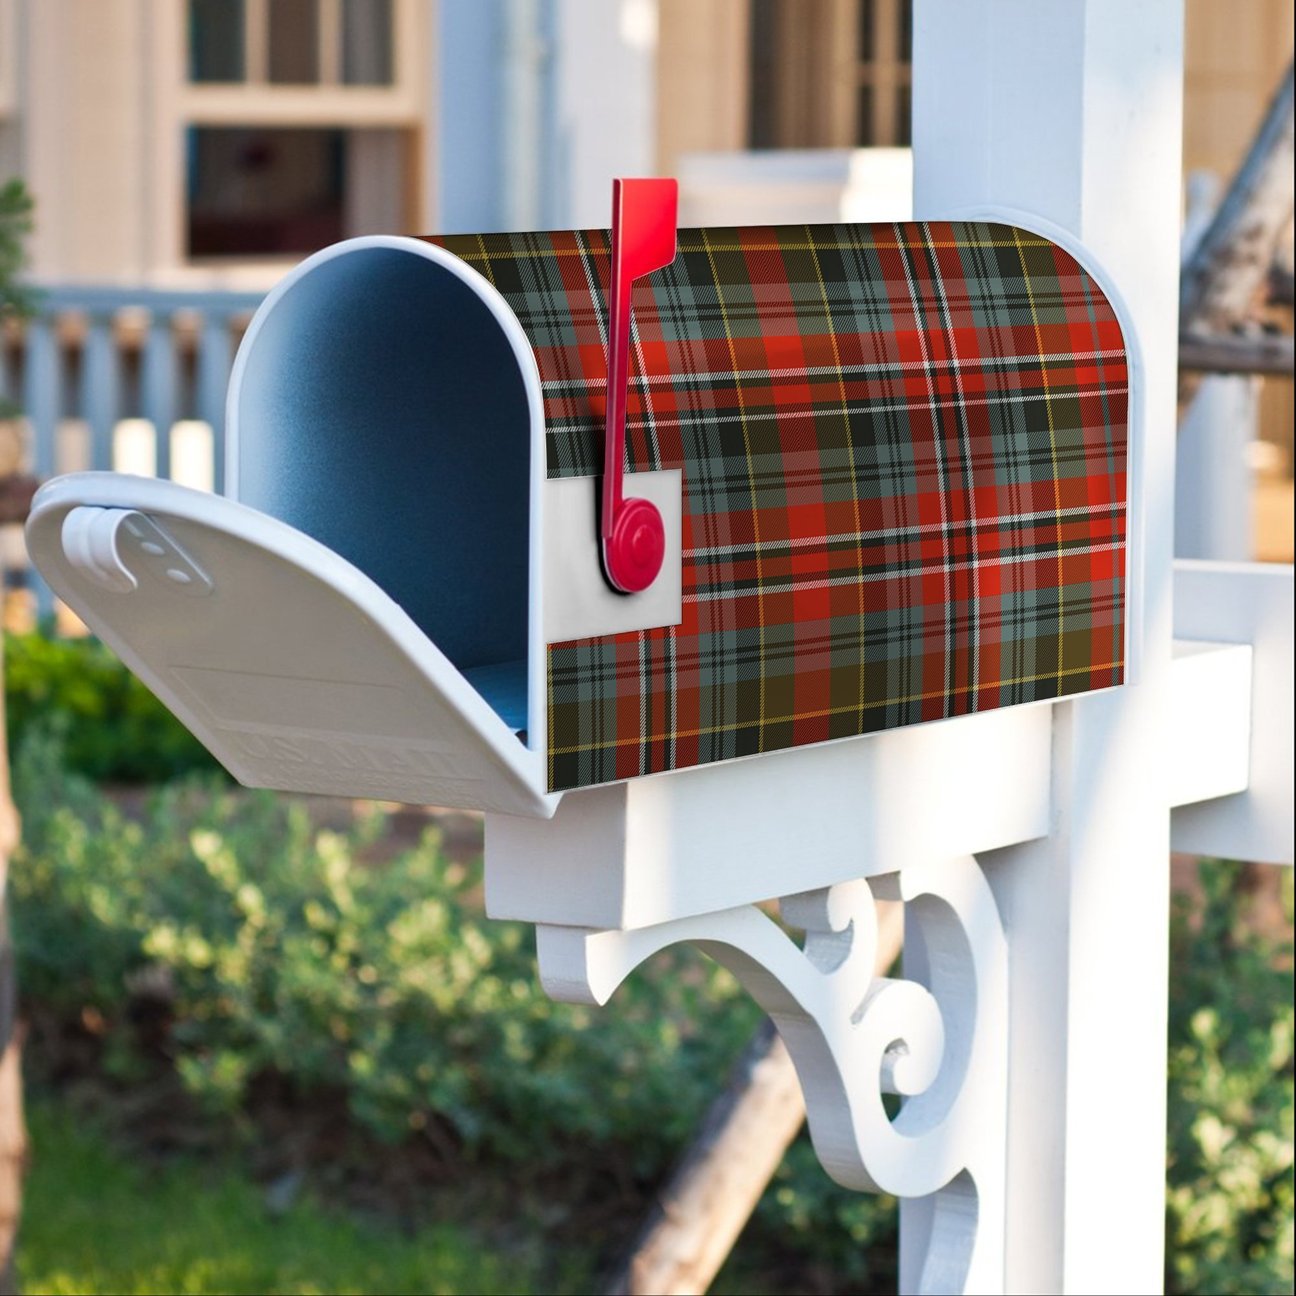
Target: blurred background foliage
point(323, 1012)
point(112, 728)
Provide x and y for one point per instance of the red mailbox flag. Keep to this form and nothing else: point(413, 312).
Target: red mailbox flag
point(643, 240)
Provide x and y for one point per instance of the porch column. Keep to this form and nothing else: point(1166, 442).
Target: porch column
point(1070, 114)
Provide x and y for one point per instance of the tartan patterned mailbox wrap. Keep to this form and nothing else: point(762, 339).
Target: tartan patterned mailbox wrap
point(904, 465)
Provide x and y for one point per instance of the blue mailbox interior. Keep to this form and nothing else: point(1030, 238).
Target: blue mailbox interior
point(382, 411)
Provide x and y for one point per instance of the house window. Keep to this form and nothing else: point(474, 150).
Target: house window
point(264, 192)
point(293, 53)
point(830, 73)
point(300, 123)
point(884, 70)
point(367, 40)
point(257, 192)
point(291, 42)
point(216, 46)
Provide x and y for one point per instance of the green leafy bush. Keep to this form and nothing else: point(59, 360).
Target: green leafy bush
point(16, 299)
point(845, 1240)
point(282, 953)
point(113, 728)
point(1230, 1199)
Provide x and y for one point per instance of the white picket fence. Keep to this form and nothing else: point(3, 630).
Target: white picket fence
point(131, 380)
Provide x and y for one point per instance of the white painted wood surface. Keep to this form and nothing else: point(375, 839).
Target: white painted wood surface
point(936, 1036)
point(678, 845)
point(789, 186)
point(1248, 603)
point(1214, 512)
point(1073, 111)
point(1208, 742)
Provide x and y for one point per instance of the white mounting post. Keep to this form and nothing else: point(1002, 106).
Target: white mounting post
point(1031, 845)
point(1073, 111)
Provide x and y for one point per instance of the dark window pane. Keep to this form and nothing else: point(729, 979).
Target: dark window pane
point(367, 42)
point(294, 42)
point(904, 36)
point(762, 56)
point(903, 124)
point(267, 192)
point(864, 116)
point(866, 17)
point(216, 40)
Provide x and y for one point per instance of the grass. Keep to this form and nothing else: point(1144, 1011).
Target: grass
point(95, 1220)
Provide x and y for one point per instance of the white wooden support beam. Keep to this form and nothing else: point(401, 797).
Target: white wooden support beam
point(937, 1038)
point(1214, 513)
point(1072, 113)
point(654, 850)
point(1245, 603)
point(1208, 744)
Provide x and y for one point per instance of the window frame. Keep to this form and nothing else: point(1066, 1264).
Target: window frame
point(816, 95)
point(255, 100)
point(181, 103)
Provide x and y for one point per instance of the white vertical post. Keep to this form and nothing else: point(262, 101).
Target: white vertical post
point(41, 387)
point(158, 383)
point(214, 347)
point(468, 117)
point(1214, 516)
point(100, 396)
point(604, 93)
point(524, 124)
point(42, 383)
point(1073, 112)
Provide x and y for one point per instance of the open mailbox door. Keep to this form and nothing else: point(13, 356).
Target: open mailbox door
point(293, 667)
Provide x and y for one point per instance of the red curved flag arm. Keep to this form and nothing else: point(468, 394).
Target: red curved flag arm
point(643, 240)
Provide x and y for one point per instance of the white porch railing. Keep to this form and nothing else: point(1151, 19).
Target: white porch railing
point(131, 380)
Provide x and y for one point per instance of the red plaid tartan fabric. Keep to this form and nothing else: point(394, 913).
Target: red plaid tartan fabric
point(904, 463)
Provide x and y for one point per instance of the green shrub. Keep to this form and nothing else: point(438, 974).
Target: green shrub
point(283, 954)
point(846, 1239)
point(1229, 1200)
point(113, 728)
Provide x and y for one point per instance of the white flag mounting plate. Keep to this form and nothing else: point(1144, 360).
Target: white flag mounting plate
point(286, 661)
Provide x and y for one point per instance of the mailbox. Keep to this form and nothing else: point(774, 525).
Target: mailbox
point(887, 465)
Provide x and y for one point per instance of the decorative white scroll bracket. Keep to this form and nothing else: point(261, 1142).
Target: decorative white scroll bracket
point(936, 1037)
